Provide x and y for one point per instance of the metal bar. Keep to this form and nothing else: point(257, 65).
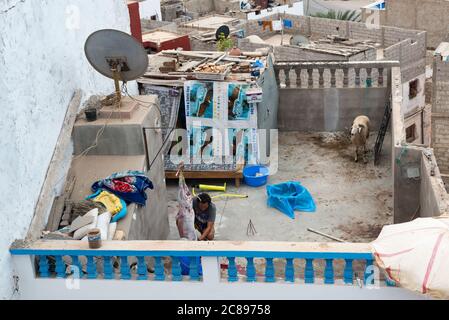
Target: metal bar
point(145, 142)
point(325, 235)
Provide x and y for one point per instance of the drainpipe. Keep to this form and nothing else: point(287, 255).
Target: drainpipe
point(422, 125)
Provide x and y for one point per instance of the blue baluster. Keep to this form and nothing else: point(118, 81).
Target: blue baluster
point(43, 267)
point(289, 271)
point(329, 272)
point(368, 271)
point(232, 270)
point(193, 269)
point(250, 270)
point(176, 269)
point(142, 269)
point(158, 269)
point(107, 268)
point(124, 269)
point(91, 268)
point(309, 273)
point(348, 273)
point(77, 269)
point(269, 270)
point(60, 267)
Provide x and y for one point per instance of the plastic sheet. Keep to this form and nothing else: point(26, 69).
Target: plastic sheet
point(290, 196)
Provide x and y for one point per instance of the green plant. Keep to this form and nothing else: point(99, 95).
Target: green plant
point(224, 43)
point(348, 15)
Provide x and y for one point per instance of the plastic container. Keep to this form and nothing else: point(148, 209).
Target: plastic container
point(255, 176)
point(91, 114)
point(94, 238)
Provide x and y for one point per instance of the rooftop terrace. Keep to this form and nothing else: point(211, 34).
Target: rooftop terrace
point(353, 200)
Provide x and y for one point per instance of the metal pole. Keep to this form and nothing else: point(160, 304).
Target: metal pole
point(325, 235)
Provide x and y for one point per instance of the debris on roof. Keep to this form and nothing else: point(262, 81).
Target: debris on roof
point(206, 65)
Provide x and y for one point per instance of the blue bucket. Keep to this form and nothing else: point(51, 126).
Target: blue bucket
point(255, 176)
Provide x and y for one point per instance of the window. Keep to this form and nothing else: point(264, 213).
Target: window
point(153, 17)
point(410, 133)
point(413, 89)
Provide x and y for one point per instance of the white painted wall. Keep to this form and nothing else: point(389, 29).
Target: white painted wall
point(150, 8)
point(417, 102)
point(297, 9)
point(41, 64)
point(211, 288)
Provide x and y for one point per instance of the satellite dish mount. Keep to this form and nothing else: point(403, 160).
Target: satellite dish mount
point(117, 65)
point(116, 55)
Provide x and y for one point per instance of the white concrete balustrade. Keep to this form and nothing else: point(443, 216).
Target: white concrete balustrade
point(70, 270)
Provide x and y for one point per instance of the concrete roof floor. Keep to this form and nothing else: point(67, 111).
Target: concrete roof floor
point(353, 200)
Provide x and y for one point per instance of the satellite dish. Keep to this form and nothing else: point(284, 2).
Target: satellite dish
point(298, 40)
point(223, 29)
point(116, 55)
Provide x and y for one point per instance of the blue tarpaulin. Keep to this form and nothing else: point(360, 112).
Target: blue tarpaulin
point(290, 196)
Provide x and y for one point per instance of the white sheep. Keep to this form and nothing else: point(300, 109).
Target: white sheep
point(360, 135)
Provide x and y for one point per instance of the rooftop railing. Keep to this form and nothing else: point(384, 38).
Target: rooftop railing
point(319, 75)
point(181, 269)
point(54, 257)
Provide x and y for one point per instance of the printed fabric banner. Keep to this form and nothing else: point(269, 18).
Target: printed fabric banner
point(220, 121)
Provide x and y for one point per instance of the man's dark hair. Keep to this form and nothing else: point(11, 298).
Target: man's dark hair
point(204, 198)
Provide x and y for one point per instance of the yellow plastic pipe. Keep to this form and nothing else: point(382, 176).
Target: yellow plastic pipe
point(212, 188)
point(232, 195)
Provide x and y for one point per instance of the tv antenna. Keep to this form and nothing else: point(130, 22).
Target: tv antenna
point(116, 55)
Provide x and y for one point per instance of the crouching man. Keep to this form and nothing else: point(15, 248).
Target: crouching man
point(204, 216)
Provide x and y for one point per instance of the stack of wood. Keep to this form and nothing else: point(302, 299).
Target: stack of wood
point(169, 66)
point(243, 67)
point(61, 206)
point(211, 68)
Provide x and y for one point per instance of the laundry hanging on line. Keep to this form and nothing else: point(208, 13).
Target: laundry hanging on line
point(267, 24)
point(288, 24)
point(277, 25)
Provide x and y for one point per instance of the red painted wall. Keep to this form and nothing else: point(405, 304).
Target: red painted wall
point(181, 42)
point(134, 17)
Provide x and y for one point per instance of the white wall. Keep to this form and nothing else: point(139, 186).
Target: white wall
point(297, 9)
point(41, 64)
point(150, 8)
point(417, 102)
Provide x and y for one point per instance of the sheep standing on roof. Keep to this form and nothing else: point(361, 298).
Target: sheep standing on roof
point(360, 135)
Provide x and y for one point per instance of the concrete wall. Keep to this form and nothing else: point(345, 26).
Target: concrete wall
point(423, 196)
point(428, 15)
point(406, 46)
point(245, 45)
point(149, 8)
point(224, 6)
point(329, 109)
point(434, 199)
point(200, 6)
point(42, 62)
point(296, 53)
point(440, 113)
point(406, 191)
